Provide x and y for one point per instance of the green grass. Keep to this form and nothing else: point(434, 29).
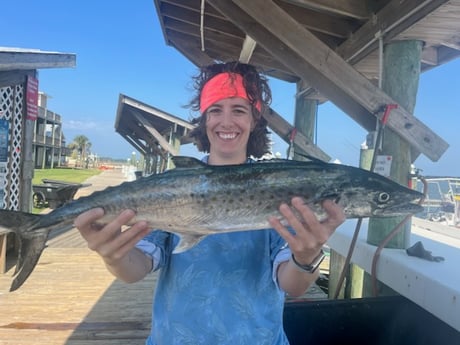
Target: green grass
point(67, 175)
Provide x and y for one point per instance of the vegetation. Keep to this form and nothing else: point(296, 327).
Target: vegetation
point(68, 175)
point(81, 148)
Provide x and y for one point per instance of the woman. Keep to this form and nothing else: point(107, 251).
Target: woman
point(230, 288)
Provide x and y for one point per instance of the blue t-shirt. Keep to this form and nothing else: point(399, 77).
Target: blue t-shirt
point(222, 291)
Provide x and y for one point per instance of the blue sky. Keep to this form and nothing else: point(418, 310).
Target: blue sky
point(120, 49)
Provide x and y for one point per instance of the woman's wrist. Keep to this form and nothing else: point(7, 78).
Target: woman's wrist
point(310, 267)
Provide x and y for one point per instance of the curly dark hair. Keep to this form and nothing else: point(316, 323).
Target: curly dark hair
point(257, 89)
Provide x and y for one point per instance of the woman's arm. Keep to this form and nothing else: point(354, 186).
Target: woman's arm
point(116, 247)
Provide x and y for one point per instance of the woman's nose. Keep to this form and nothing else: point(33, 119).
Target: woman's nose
point(227, 118)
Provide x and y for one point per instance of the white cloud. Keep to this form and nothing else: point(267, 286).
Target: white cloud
point(80, 125)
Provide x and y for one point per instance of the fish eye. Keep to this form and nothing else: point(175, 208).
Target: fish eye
point(383, 197)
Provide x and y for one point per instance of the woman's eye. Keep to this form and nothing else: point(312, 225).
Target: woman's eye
point(214, 111)
point(240, 111)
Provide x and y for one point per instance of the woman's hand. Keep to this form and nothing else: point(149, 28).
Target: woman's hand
point(116, 247)
point(307, 241)
point(310, 233)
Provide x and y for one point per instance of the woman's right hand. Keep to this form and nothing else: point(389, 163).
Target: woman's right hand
point(116, 247)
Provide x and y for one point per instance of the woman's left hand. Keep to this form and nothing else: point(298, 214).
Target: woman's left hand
point(310, 233)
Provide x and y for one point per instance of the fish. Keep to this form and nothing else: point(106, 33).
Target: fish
point(195, 200)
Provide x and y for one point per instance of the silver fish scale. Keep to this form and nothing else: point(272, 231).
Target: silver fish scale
point(206, 199)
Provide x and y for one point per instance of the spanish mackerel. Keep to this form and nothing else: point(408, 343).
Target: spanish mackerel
point(195, 200)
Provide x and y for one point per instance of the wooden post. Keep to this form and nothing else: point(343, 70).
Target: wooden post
point(174, 142)
point(401, 70)
point(3, 241)
point(305, 122)
point(304, 118)
point(336, 265)
point(27, 167)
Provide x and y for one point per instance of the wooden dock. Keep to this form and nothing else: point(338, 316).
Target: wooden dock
point(71, 298)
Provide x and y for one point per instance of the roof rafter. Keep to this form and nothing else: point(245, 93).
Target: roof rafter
point(351, 8)
point(335, 78)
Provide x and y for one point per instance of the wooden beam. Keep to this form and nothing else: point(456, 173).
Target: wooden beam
point(161, 140)
point(3, 240)
point(192, 6)
point(132, 132)
point(11, 59)
point(264, 61)
point(191, 29)
point(455, 44)
point(430, 56)
point(136, 143)
point(294, 62)
point(193, 17)
point(150, 110)
point(390, 21)
point(16, 77)
point(247, 49)
point(351, 8)
point(337, 77)
point(321, 22)
point(281, 127)
point(446, 54)
point(193, 53)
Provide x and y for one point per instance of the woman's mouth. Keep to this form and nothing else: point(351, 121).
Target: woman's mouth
point(227, 136)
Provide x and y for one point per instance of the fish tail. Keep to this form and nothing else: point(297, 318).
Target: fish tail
point(31, 243)
point(29, 253)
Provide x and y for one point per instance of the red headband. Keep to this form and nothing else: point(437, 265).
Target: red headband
point(221, 86)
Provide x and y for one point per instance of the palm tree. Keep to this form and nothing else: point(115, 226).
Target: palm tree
point(82, 146)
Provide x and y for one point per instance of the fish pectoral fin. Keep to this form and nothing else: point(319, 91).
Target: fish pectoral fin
point(186, 242)
point(29, 253)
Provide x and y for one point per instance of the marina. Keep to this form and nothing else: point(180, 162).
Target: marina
point(368, 58)
point(442, 204)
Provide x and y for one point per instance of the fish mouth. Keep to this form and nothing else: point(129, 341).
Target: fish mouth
point(398, 210)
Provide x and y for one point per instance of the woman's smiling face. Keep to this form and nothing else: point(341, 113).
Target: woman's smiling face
point(228, 126)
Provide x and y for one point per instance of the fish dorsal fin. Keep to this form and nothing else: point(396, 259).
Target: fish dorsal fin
point(184, 162)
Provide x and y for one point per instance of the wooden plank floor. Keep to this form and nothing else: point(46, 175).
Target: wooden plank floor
point(71, 299)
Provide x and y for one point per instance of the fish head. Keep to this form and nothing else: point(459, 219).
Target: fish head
point(378, 196)
point(398, 204)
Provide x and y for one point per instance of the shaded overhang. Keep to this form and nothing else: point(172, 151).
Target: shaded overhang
point(18, 63)
point(329, 47)
point(149, 129)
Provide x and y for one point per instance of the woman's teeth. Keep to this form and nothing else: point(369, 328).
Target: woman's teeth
point(227, 136)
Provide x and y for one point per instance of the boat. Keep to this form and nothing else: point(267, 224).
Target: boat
point(442, 202)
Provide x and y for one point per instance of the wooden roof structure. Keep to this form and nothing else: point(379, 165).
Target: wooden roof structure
point(16, 63)
point(331, 47)
point(146, 127)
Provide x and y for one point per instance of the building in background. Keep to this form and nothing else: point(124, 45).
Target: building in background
point(49, 144)
point(20, 120)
